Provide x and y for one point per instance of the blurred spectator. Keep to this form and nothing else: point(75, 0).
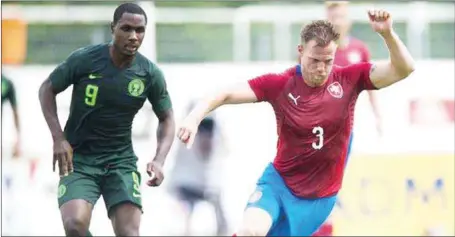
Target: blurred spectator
point(9, 94)
point(190, 180)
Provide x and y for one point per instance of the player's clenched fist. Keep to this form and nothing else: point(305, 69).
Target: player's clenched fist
point(63, 153)
point(380, 21)
point(187, 132)
point(155, 172)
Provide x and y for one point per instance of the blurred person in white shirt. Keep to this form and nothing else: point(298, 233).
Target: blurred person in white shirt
point(193, 177)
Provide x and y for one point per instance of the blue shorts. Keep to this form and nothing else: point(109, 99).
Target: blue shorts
point(291, 215)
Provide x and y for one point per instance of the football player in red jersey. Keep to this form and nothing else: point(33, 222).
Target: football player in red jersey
point(314, 106)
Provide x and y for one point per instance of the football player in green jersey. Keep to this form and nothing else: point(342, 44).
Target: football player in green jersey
point(94, 153)
point(9, 95)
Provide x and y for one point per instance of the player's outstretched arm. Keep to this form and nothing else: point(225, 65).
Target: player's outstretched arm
point(400, 64)
point(236, 94)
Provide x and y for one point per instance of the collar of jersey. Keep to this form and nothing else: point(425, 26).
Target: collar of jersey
point(298, 70)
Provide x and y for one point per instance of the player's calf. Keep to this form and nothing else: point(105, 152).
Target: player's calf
point(256, 222)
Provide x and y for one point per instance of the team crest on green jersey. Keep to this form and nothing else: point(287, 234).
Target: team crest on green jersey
point(136, 87)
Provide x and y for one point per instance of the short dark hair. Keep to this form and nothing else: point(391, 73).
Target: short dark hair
point(128, 8)
point(207, 125)
point(321, 31)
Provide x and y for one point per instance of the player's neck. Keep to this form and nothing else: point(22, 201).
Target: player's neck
point(120, 60)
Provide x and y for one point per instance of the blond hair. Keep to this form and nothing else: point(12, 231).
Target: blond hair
point(321, 31)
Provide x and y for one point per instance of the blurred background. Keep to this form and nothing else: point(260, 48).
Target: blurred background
point(400, 181)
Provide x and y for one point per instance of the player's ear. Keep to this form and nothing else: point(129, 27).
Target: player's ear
point(300, 49)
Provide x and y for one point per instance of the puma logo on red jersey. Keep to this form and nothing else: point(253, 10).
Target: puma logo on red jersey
point(293, 98)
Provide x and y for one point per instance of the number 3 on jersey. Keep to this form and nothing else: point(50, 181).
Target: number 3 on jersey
point(319, 132)
point(91, 92)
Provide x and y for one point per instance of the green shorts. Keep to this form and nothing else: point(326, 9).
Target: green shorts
point(117, 183)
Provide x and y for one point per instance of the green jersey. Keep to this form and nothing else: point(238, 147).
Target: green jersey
point(105, 98)
point(8, 91)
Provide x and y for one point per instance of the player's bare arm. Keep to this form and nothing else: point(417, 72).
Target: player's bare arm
point(240, 93)
point(401, 64)
point(165, 138)
point(62, 149)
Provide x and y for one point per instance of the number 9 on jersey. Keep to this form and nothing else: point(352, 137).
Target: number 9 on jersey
point(91, 92)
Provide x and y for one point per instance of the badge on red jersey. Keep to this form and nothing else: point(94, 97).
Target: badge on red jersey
point(335, 89)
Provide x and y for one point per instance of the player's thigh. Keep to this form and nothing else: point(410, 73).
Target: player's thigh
point(122, 186)
point(77, 194)
point(305, 216)
point(262, 212)
point(83, 184)
point(126, 219)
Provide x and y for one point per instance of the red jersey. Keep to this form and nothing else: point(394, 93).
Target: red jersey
point(313, 125)
point(355, 52)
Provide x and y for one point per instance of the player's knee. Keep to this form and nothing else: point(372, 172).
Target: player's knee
point(75, 226)
point(256, 222)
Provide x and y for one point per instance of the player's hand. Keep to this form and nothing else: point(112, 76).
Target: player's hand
point(155, 172)
point(187, 132)
point(63, 154)
point(380, 21)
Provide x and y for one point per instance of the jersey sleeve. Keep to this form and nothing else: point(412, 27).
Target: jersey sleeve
point(266, 87)
point(66, 72)
point(360, 74)
point(158, 94)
